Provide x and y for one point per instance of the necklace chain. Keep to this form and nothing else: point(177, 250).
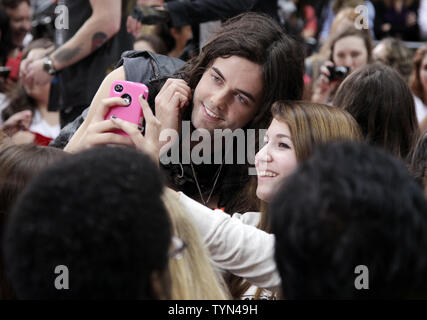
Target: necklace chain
point(217, 174)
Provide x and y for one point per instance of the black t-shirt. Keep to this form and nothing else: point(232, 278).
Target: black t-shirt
point(77, 84)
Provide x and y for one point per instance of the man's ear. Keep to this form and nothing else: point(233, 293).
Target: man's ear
point(160, 285)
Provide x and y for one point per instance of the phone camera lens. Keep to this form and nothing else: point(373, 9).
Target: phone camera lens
point(127, 98)
point(118, 88)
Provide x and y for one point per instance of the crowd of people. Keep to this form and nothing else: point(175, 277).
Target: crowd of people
point(180, 204)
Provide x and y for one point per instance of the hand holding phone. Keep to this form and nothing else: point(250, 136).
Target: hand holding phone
point(129, 91)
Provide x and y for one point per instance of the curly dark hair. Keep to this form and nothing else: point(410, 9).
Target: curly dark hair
point(100, 214)
point(351, 204)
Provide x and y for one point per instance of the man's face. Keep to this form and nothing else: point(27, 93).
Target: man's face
point(228, 95)
point(20, 22)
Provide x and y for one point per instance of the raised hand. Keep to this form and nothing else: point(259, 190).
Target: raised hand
point(174, 96)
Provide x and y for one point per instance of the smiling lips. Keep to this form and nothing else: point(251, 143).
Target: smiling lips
point(211, 115)
point(267, 173)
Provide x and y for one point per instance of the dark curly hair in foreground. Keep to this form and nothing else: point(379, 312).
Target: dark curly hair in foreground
point(100, 214)
point(350, 205)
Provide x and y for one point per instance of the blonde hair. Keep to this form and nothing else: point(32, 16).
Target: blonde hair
point(193, 275)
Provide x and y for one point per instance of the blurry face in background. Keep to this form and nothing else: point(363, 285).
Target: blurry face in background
point(39, 93)
point(350, 52)
point(182, 34)
point(423, 74)
point(20, 22)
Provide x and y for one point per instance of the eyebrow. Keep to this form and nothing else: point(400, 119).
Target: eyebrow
point(280, 135)
point(251, 97)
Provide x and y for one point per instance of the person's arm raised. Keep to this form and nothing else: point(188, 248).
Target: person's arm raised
point(76, 144)
point(323, 87)
point(103, 24)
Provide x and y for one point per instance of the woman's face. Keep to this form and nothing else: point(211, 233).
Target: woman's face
point(37, 92)
point(228, 95)
point(423, 74)
point(275, 161)
point(350, 52)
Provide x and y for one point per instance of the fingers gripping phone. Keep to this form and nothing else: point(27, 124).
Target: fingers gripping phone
point(129, 91)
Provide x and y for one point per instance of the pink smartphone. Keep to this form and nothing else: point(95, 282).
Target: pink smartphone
point(129, 91)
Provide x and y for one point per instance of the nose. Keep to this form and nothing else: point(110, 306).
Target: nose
point(348, 61)
point(263, 157)
point(27, 25)
point(219, 98)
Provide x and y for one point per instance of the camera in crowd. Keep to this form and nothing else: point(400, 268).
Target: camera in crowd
point(338, 73)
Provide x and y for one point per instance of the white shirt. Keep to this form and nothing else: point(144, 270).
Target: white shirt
point(39, 125)
point(235, 244)
point(420, 109)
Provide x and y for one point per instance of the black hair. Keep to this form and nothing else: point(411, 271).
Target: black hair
point(351, 204)
point(100, 214)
